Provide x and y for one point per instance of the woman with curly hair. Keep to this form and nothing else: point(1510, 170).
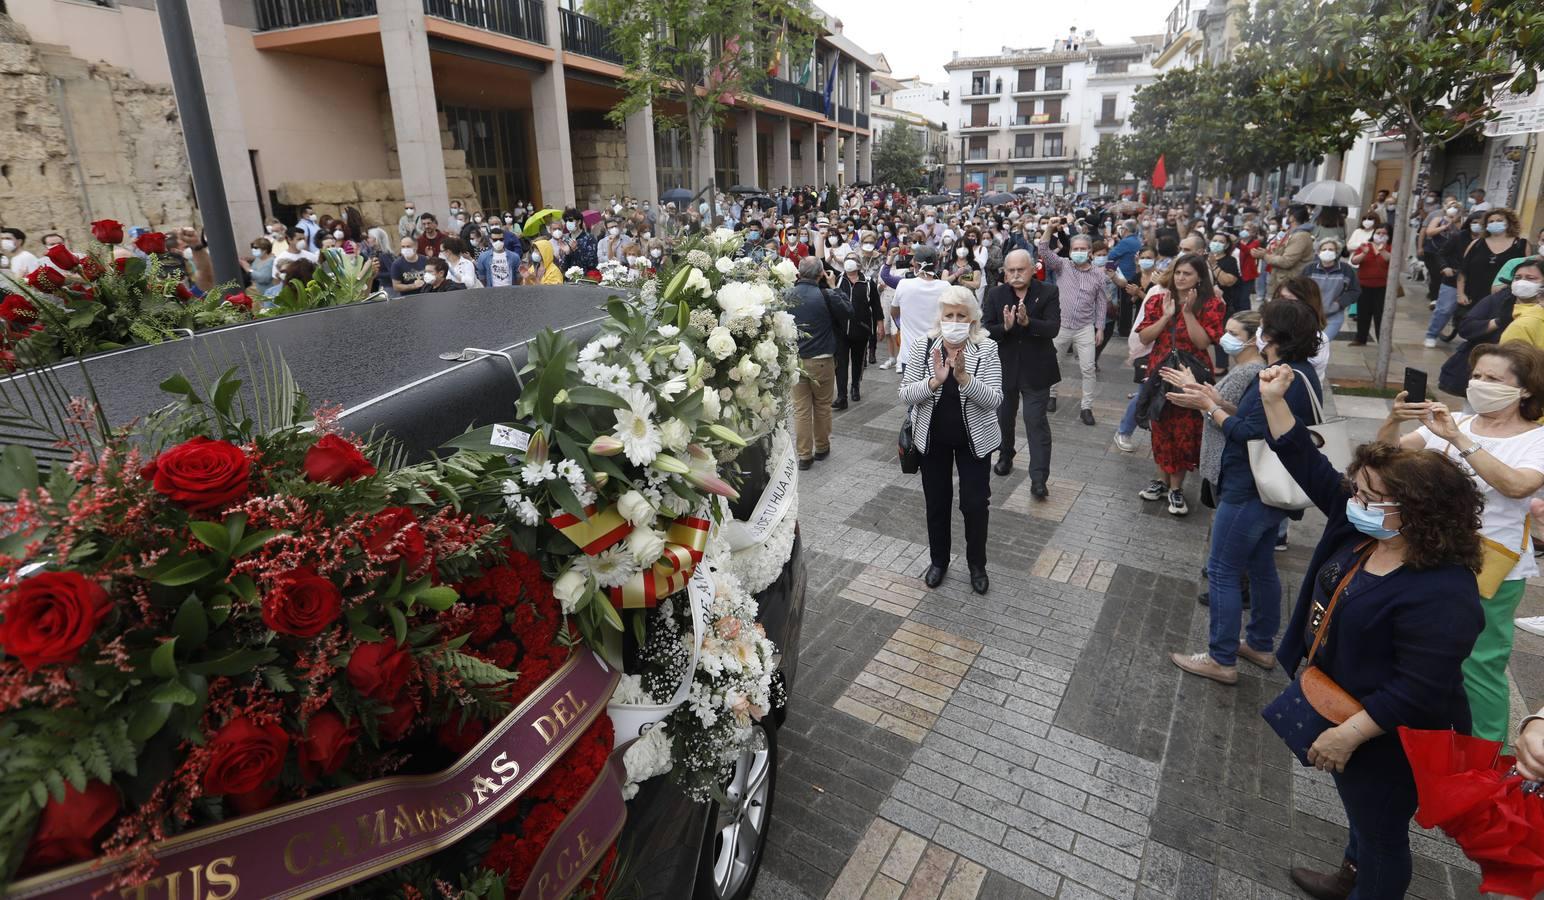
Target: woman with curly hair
point(1390, 610)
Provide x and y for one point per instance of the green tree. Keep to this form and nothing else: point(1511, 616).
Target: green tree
point(1110, 163)
point(898, 157)
point(701, 54)
point(1426, 71)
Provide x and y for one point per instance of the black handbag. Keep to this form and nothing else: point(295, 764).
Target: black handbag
point(906, 449)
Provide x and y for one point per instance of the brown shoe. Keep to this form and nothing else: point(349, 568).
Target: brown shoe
point(1327, 885)
point(1265, 659)
point(1202, 664)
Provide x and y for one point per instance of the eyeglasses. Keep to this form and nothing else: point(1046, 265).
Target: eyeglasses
point(1366, 502)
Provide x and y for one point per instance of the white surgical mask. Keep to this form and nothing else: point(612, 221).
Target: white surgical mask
point(1367, 223)
point(655, 252)
point(1243, 235)
point(1491, 396)
point(1327, 256)
point(868, 248)
point(1495, 227)
point(410, 210)
point(338, 234)
point(1476, 227)
point(613, 231)
point(954, 332)
point(1100, 261)
point(1380, 238)
point(429, 277)
point(409, 254)
point(1231, 344)
point(1525, 288)
point(535, 256)
point(850, 265)
point(1452, 210)
point(498, 246)
point(1079, 257)
point(1216, 246)
point(928, 220)
point(961, 252)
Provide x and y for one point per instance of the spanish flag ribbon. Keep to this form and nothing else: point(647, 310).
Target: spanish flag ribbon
point(684, 545)
point(594, 533)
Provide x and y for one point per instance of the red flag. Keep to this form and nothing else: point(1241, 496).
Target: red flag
point(1160, 175)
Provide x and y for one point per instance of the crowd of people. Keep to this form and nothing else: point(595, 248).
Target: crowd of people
point(1228, 309)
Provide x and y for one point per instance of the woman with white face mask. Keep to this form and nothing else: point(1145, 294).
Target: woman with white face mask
point(1501, 446)
point(951, 387)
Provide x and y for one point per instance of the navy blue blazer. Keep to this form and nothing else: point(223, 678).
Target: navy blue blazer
point(1396, 644)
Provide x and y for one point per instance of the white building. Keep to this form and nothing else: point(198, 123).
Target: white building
point(1018, 116)
point(1113, 75)
point(913, 103)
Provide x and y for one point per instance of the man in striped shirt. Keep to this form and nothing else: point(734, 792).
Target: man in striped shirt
point(1081, 286)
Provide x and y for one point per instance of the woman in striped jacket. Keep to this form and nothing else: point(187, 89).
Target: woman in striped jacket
point(952, 386)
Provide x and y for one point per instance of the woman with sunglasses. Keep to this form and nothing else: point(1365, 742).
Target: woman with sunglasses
point(1390, 610)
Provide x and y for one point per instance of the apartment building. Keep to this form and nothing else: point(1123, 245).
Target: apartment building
point(1113, 76)
point(1014, 121)
point(910, 103)
point(368, 103)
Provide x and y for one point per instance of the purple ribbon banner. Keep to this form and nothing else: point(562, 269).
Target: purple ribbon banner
point(324, 843)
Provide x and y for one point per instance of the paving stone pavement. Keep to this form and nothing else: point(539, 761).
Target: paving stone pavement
point(1037, 742)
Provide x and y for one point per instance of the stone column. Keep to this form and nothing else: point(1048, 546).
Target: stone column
point(410, 85)
point(850, 157)
point(809, 172)
point(749, 165)
point(866, 158)
point(828, 170)
point(642, 171)
point(549, 109)
point(781, 174)
point(230, 135)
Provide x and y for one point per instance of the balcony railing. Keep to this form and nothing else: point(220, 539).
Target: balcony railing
point(1053, 84)
point(983, 154)
point(844, 115)
point(861, 119)
point(792, 94)
point(990, 123)
point(1109, 122)
point(984, 90)
point(522, 19)
point(587, 37)
point(1037, 119)
point(273, 14)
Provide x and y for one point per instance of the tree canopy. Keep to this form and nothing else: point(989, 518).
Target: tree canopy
point(898, 157)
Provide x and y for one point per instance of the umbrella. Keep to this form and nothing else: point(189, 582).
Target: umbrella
point(590, 217)
point(999, 198)
point(1469, 790)
point(1022, 189)
point(539, 218)
point(1127, 207)
point(1328, 193)
point(934, 199)
point(746, 189)
point(676, 195)
point(764, 201)
point(863, 184)
point(972, 187)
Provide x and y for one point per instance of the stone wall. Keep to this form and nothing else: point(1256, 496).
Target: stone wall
point(84, 141)
point(600, 163)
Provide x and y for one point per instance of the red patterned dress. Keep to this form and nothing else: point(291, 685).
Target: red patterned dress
point(1177, 431)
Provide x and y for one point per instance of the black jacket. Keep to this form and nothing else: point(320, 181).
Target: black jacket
point(1475, 330)
point(863, 296)
point(1028, 359)
point(820, 313)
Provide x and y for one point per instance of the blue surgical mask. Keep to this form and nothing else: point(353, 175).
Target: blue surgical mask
point(1079, 257)
point(1243, 235)
point(1231, 345)
point(1216, 246)
point(1099, 261)
point(753, 235)
point(1495, 227)
point(1368, 521)
point(1146, 263)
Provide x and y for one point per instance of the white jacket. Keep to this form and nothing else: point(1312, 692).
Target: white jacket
point(978, 400)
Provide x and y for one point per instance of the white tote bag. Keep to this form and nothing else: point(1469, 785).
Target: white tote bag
point(1274, 483)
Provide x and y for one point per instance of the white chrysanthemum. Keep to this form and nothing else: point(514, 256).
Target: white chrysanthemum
point(786, 326)
point(766, 353)
point(606, 377)
point(591, 352)
point(609, 341)
point(675, 504)
point(672, 388)
point(646, 758)
point(527, 512)
point(668, 331)
point(531, 473)
point(636, 429)
point(612, 567)
point(675, 435)
point(570, 470)
point(721, 343)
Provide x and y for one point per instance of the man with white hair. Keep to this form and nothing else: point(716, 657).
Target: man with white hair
point(1083, 303)
point(1023, 316)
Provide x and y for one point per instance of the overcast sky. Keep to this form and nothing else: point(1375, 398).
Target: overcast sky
point(919, 36)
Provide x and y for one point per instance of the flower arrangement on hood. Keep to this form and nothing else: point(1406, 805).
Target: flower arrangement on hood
point(609, 273)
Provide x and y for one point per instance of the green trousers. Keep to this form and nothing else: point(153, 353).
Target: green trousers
point(1490, 703)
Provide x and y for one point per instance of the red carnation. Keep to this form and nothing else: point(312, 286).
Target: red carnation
point(183, 293)
point(47, 618)
point(593, 274)
point(18, 311)
point(380, 670)
point(108, 231)
point(335, 460)
point(243, 756)
point(46, 279)
point(90, 268)
point(62, 258)
point(67, 829)
point(396, 525)
point(395, 725)
point(201, 474)
point(240, 301)
point(325, 746)
point(301, 603)
point(151, 242)
point(460, 738)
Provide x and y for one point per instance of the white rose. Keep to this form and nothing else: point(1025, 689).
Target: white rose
point(723, 264)
point(635, 508)
point(721, 342)
point(766, 352)
point(646, 545)
point(785, 325)
point(785, 271)
point(675, 435)
point(571, 587)
point(698, 283)
point(749, 369)
point(668, 331)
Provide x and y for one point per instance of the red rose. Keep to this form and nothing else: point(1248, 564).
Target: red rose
point(90, 268)
point(396, 525)
point(47, 618)
point(253, 801)
point(183, 293)
point(67, 829)
point(460, 738)
point(151, 242)
point(7, 361)
point(243, 756)
point(335, 460)
point(18, 311)
point(241, 301)
point(46, 279)
point(325, 746)
point(201, 474)
point(122, 262)
point(380, 670)
point(395, 725)
point(301, 603)
point(108, 231)
point(62, 258)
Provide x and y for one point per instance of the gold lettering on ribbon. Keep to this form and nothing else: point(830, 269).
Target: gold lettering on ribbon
point(567, 862)
point(290, 864)
point(224, 879)
point(169, 886)
point(564, 713)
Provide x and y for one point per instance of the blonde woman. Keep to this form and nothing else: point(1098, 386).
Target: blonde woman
point(952, 386)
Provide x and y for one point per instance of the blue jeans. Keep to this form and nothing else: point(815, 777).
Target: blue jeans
point(1332, 324)
point(1447, 301)
point(1379, 797)
point(1243, 540)
point(1128, 422)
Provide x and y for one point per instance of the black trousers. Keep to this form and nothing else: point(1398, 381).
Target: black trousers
point(851, 356)
point(1037, 428)
point(1369, 313)
point(938, 465)
point(1433, 263)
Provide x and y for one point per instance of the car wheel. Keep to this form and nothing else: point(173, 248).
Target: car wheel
point(737, 831)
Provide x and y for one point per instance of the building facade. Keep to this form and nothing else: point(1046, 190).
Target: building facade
point(911, 103)
point(1015, 118)
point(369, 103)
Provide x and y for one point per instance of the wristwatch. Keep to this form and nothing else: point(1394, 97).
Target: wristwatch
point(1465, 454)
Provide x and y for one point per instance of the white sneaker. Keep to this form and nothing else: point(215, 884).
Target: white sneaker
point(887, 364)
point(1531, 624)
point(1177, 505)
point(1125, 443)
point(1429, 343)
point(1155, 490)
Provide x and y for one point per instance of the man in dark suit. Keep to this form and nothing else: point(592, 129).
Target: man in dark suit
point(1023, 315)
